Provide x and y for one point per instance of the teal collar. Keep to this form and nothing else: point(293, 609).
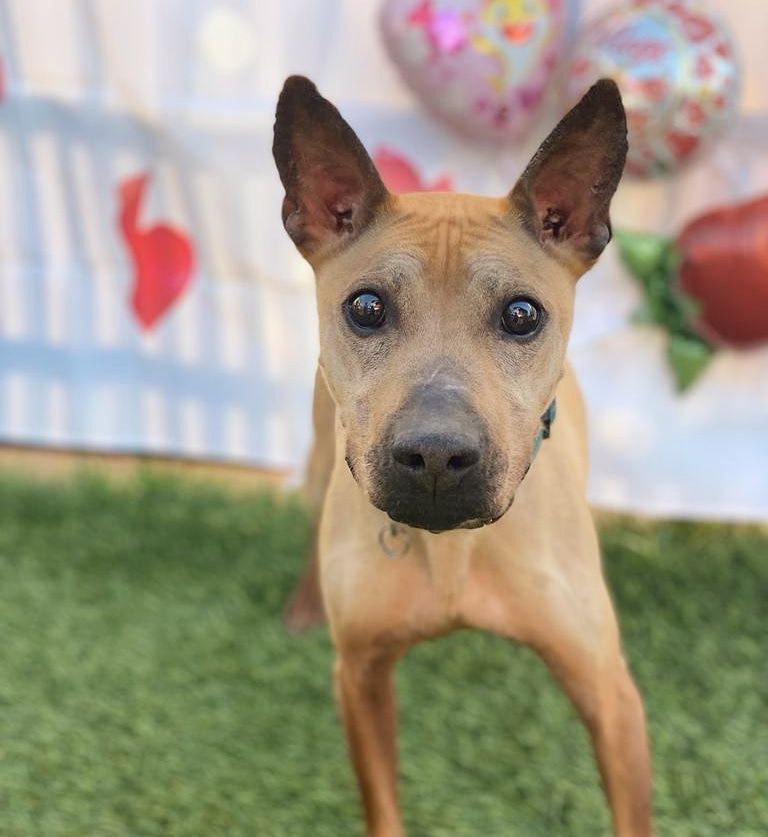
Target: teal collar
point(547, 420)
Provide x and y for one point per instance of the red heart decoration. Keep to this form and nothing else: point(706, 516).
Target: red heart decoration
point(400, 175)
point(163, 257)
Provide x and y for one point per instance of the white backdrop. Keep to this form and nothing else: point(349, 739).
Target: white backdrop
point(95, 92)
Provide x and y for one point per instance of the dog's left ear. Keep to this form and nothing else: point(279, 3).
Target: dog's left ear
point(332, 187)
point(564, 195)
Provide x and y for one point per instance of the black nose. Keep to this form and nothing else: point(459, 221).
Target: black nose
point(435, 455)
point(435, 467)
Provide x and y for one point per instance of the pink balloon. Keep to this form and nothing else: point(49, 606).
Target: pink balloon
point(481, 66)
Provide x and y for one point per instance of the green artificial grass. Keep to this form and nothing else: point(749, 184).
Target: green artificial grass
point(148, 688)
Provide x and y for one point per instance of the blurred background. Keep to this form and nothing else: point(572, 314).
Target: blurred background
point(200, 341)
point(153, 310)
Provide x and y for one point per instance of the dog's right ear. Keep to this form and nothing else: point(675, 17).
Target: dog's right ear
point(332, 188)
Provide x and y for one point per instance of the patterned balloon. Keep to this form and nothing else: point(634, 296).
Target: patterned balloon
point(676, 67)
point(481, 66)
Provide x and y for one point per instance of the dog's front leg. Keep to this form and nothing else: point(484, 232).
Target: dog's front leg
point(590, 667)
point(364, 684)
point(608, 702)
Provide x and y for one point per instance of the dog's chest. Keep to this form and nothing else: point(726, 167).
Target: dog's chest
point(434, 581)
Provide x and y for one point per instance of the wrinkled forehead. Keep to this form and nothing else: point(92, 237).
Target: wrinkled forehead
point(448, 240)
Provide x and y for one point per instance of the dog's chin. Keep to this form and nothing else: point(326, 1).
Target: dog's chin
point(443, 520)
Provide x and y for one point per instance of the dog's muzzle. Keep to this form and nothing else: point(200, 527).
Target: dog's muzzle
point(435, 468)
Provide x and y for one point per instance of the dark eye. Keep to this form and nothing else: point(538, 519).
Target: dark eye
point(520, 317)
point(366, 310)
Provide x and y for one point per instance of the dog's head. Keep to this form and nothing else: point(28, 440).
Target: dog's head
point(444, 318)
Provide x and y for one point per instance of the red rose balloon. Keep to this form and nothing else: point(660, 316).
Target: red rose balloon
point(724, 266)
point(708, 287)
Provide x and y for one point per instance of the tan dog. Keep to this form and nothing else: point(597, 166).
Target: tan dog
point(444, 320)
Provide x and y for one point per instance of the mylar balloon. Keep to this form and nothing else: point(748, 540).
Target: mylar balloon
point(481, 66)
point(676, 68)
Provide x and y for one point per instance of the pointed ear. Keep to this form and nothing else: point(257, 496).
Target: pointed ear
point(564, 194)
point(332, 188)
